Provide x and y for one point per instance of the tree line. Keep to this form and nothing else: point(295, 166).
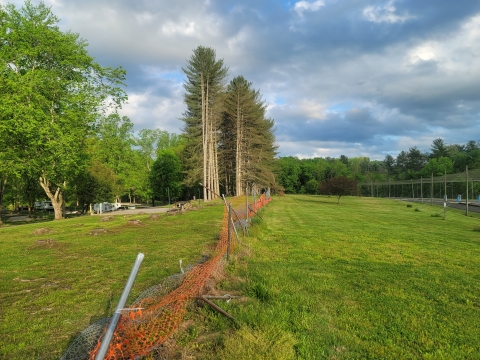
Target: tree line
point(306, 175)
point(62, 136)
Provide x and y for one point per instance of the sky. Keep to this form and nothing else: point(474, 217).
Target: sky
point(339, 77)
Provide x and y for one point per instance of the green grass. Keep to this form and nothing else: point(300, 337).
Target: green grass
point(49, 292)
point(366, 279)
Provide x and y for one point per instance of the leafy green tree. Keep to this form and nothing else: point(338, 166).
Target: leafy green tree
point(311, 187)
point(51, 94)
point(438, 166)
point(113, 146)
point(166, 176)
point(94, 185)
point(290, 171)
point(336, 168)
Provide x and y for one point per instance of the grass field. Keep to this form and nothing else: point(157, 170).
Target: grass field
point(366, 279)
point(52, 290)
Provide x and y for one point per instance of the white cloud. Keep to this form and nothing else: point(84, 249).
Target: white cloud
point(301, 6)
point(384, 13)
point(311, 109)
point(424, 52)
point(185, 28)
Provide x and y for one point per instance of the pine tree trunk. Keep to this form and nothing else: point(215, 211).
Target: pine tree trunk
point(204, 139)
point(215, 163)
point(238, 157)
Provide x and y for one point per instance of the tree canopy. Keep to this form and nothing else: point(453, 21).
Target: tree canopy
point(52, 92)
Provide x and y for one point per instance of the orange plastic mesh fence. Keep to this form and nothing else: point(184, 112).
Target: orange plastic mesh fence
point(141, 331)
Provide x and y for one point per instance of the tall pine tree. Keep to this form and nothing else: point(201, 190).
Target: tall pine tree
point(248, 141)
point(204, 92)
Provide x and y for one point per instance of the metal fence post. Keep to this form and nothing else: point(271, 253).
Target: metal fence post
point(421, 188)
point(431, 192)
point(466, 202)
point(118, 311)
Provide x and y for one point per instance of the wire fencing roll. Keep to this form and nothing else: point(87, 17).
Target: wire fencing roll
point(155, 315)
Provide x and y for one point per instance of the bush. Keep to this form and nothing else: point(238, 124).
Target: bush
point(409, 205)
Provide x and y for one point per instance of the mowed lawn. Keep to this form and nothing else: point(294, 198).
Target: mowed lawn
point(365, 279)
point(52, 286)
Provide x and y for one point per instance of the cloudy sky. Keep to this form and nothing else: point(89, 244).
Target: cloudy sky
point(352, 77)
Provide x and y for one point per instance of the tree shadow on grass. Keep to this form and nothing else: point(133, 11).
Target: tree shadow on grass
point(318, 200)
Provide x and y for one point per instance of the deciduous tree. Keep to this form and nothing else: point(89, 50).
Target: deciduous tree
point(339, 186)
point(51, 94)
point(166, 174)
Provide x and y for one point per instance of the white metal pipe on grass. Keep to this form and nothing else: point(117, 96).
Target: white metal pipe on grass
point(118, 311)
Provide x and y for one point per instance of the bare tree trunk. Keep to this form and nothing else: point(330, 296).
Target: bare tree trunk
point(215, 158)
point(55, 197)
point(64, 211)
point(204, 139)
point(238, 154)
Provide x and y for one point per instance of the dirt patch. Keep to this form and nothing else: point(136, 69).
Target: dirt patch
point(44, 244)
point(107, 218)
point(134, 222)
point(98, 231)
point(168, 350)
point(154, 216)
point(42, 231)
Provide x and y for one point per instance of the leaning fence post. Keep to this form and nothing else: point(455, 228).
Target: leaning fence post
point(118, 311)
